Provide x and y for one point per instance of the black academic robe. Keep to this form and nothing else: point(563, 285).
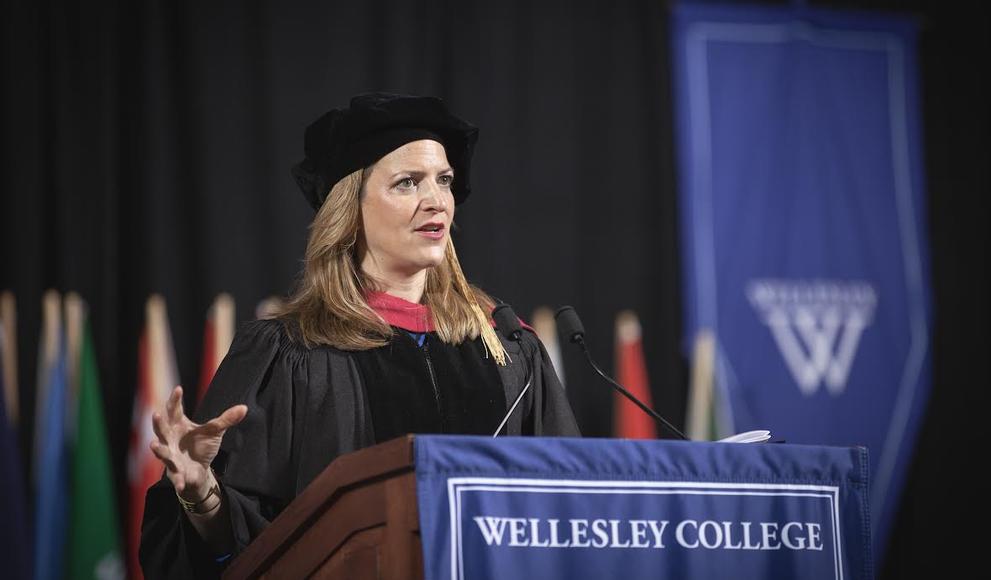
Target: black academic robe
point(308, 406)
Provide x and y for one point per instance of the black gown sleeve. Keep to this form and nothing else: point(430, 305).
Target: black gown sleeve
point(283, 385)
point(552, 405)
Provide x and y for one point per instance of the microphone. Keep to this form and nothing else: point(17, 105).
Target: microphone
point(509, 325)
point(570, 326)
point(507, 322)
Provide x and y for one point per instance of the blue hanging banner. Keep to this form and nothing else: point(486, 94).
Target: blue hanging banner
point(804, 246)
point(549, 508)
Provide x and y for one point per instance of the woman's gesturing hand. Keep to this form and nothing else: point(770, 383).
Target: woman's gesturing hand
point(188, 448)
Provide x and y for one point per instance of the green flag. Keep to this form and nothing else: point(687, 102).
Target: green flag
point(94, 541)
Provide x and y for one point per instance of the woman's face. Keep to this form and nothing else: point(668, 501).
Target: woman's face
point(406, 209)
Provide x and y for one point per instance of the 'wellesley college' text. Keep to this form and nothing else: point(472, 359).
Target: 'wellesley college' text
point(690, 534)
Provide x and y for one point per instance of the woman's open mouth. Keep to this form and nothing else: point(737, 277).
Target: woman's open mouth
point(431, 230)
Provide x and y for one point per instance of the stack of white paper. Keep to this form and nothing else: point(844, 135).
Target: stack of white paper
point(749, 437)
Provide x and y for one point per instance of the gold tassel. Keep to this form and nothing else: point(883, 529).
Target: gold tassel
point(489, 338)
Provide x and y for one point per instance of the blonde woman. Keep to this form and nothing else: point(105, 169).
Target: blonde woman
point(382, 337)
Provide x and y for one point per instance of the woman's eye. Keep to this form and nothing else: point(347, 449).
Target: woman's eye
point(446, 179)
point(405, 183)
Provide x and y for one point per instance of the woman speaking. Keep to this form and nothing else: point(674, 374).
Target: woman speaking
point(383, 336)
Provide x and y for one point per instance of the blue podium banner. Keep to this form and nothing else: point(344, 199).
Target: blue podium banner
point(600, 508)
point(803, 226)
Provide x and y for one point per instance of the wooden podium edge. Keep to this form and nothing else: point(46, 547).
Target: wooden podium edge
point(343, 473)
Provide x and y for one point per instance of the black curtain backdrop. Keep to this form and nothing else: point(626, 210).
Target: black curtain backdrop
point(147, 146)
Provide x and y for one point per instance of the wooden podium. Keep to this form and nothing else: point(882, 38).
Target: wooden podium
point(476, 497)
point(358, 519)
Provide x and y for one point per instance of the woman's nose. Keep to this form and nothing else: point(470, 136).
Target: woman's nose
point(434, 197)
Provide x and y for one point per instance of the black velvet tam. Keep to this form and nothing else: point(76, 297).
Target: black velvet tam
point(343, 141)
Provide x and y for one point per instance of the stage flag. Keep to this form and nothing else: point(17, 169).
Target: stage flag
point(157, 376)
point(74, 314)
point(546, 329)
point(218, 333)
point(15, 547)
point(94, 539)
point(8, 358)
point(48, 353)
point(629, 421)
point(708, 417)
point(51, 459)
point(803, 226)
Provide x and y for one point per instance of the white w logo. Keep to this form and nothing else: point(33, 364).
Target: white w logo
point(817, 327)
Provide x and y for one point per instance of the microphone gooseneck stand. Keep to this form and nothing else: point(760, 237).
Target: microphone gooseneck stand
point(571, 327)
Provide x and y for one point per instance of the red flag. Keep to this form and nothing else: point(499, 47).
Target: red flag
point(217, 336)
point(209, 365)
point(157, 376)
point(629, 421)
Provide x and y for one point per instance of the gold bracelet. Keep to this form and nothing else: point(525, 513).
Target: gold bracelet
point(193, 506)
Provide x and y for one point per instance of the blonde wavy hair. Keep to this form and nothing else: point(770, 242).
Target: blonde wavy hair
point(329, 306)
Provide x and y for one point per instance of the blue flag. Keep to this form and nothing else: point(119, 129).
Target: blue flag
point(51, 495)
point(802, 218)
